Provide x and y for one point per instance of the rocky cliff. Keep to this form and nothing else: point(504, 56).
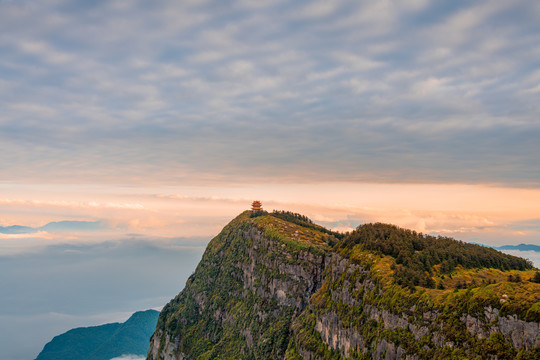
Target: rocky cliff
point(280, 287)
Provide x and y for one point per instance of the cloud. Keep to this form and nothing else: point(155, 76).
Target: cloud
point(129, 357)
point(87, 284)
point(57, 226)
point(318, 9)
point(41, 328)
point(84, 272)
point(46, 52)
point(533, 256)
point(82, 214)
point(169, 93)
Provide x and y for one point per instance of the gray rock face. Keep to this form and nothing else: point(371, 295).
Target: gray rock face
point(165, 352)
point(346, 340)
point(292, 279)
point(388, 351)
point(297, 278)
point(291, 283)
point(522, 334)
point(335, 335)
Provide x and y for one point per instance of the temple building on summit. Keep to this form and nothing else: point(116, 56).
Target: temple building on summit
point(256, 206)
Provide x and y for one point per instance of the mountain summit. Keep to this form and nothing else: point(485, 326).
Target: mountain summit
point(278, 286)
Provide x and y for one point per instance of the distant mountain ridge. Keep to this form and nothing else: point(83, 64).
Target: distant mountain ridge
point(17, 229)
point(103, 342)
point(66, 225)
point(520, 247)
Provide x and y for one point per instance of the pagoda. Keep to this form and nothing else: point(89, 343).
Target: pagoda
point(256, 206)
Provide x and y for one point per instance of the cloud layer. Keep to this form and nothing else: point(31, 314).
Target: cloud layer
point(55, 280)
point(52, 215)
point(61, 287)
point(180, 113)
point(202, 91)
point(129, 357)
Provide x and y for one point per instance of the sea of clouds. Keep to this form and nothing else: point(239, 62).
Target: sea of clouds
point(60, 287)
point(129, 357)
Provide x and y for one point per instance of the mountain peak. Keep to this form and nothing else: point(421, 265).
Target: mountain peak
point(276, 285)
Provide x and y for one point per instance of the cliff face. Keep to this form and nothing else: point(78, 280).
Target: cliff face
point(276, 289)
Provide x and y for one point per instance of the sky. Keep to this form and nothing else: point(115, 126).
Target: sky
point(132, 131)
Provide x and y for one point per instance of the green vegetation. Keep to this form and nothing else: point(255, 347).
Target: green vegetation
point(258, 213)
point(214, 315)
point(303, 221)
point(416, 254)
point(278, 286)
point(105, 341)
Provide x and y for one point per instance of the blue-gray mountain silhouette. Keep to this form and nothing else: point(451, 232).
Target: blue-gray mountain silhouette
point(103, 342)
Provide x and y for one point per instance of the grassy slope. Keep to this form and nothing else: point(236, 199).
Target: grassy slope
point(219, 283)
point(521, 299)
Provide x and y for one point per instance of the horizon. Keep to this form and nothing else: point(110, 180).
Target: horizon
point(140, 129)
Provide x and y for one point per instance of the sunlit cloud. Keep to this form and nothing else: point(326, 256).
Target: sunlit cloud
point(192, 93)
point(34, 217)
point(161, 121)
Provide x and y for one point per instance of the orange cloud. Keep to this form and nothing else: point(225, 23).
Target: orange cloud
point(474, 212)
